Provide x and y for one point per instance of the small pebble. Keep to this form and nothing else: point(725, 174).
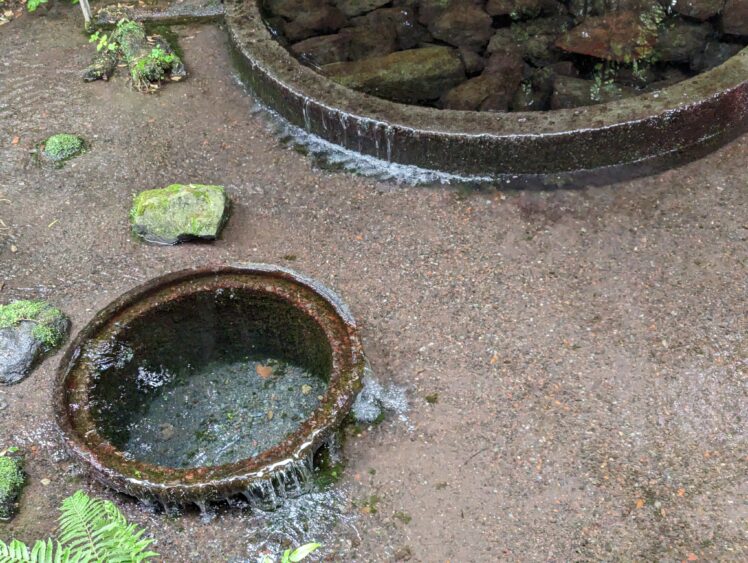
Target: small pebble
point(45, 482)
point(306, 389)
point(270, 415)
point(13, 248)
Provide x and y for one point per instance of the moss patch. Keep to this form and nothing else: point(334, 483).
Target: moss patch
point(179, 212)
point(63, 146)
point(12, 480)
point(44, 316)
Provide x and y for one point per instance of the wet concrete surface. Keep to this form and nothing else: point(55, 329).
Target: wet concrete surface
point(588, 347)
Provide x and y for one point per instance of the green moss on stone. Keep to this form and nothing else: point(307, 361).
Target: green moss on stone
point(42, 314)
point(63, 146)
point(12, 480)
point(178, 212)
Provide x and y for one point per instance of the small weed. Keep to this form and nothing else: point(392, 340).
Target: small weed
point(403, 517)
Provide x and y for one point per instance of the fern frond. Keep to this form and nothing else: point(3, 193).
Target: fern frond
point(96, 530)
point(42, 552)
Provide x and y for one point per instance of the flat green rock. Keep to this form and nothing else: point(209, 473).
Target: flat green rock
point(12, 481)
point(179, 212)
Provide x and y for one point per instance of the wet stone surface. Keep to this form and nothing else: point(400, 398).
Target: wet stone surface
point(453, 54)
point(28, 331)
point(219, 413)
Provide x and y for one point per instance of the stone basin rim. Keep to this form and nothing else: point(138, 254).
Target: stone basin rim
point(171, 485)
point(667, 127)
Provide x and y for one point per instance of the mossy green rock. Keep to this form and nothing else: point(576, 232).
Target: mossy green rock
point(415, 75)
point(28, 331)
point(12, 481)
point(179, 212)
point(61, 147)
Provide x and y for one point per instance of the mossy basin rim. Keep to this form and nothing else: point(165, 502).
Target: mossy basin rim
point(260, 292)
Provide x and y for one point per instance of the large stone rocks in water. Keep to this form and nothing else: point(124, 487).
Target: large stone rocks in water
point(323, 49)
point(179, 212)
point(569, 92)
point(681, 41)
point(409, 32)
point(699, 9)
point(463, 25)
point(621, 37)
point(735, 17)
point(353, 8)
point(533, 39)
point(12, 481)
point(415, 75)
point(324, 19)
point(28, 331)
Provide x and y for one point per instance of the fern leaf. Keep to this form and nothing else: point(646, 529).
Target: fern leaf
point(81, 517)
point(14, 552)
point(96, 530)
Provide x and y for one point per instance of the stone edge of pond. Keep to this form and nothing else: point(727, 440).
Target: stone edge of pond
point(180, 486)
point(590, 145)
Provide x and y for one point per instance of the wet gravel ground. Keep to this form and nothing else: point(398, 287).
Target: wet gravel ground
point(584, 352)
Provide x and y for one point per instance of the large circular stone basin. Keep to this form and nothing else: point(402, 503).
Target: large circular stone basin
point(203, 384)
point(593, 144)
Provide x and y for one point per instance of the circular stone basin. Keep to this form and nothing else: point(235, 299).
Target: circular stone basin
point(204, 384)
point(593, 144)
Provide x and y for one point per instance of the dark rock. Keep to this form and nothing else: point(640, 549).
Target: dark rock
point(473, 62)
point(735, 17)
point(28, 331)
point(485, 93)
point(669, 77)
point(323, 49)
point(517, 9)
point(430, 10)
point(290, 9)
point(680, 41)
point(565, 68)
point(370, 41)
point(533, 39)
point(415, 75)
point(534, 94)
point(574, 92)
point(179, 212)
point(322, 20)
point(409, 32)
point(699, 9)
point(491, 91)
point(714, 54)
point(523, 9)
point(353, 8)
point(620, 37)
point(12, 481)
point(463, 25)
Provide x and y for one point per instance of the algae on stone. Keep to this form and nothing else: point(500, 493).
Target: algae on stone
point(404, 76)
point(61, 147)
point(28, 330)
point(179, 212)
point(12, 481)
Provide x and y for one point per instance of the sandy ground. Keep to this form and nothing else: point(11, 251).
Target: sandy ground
point(588, 347)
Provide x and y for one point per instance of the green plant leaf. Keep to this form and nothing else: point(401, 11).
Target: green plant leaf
point(302, 552)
